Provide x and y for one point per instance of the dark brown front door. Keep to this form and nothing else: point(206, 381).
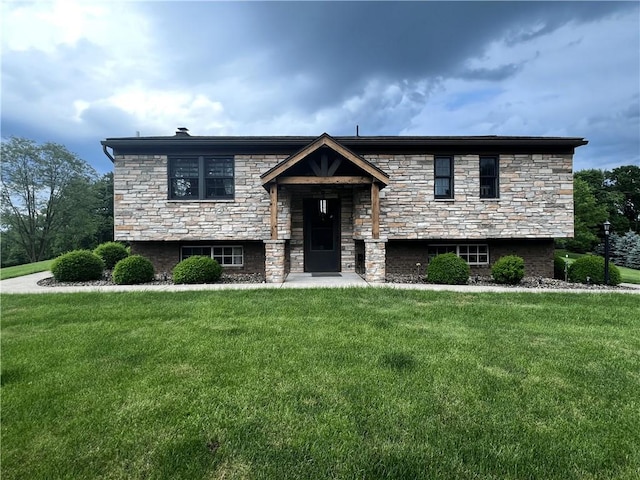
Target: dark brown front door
point(321, 235)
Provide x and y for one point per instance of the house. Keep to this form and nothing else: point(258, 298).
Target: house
point(375, 205)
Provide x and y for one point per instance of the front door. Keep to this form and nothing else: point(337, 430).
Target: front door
point(321, 235)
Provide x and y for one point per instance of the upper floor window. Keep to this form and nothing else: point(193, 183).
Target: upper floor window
point(201, 178)
point(489, 177)
point(443, 168)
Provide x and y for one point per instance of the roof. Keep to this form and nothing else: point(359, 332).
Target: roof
point(358, 144)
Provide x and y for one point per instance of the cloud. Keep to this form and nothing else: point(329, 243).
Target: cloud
point(79, 71)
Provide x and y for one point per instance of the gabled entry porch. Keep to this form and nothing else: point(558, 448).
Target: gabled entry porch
point(324, 200)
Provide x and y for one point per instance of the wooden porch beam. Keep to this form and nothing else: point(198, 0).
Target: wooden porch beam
point(375, 210)
point(342, 180)
point(273, 194)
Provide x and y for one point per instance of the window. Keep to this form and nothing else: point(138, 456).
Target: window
point(201, 178)
point(472, 254)
point(193, 251)
point(488, 177)
point(229, 256)
point(225, 255)
point(443, 168)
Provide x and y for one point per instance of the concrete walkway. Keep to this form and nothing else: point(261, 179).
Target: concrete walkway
point(29, 284)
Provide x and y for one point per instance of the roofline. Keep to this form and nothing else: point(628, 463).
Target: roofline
point(389, 140)
point(291, 144)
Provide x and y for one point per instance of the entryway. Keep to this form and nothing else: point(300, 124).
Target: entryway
point(321, 235)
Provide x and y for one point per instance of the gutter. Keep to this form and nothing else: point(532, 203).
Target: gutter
point(104, 149)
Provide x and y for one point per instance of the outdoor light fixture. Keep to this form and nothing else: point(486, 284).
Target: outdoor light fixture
point(607, 226)
point(323, 207)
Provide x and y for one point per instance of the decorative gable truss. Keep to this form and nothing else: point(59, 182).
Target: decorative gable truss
point(325, 162)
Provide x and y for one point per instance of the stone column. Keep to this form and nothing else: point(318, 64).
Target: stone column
point(274, 261)
point(374, 259)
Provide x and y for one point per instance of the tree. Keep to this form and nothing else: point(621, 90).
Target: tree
point(11, 252)
point(625, 181)
point(35, 179)
point(588, 217)
point(80, 223)
point(104, 191)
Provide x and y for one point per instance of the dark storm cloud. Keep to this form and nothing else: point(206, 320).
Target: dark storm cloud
point(344, 44)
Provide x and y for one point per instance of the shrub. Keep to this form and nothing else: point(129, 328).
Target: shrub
point(197, 269)
point(449, 269)
point(592, 266)
point(558, 267)
point(111, 253)
point(508, 269)
point(132, 270)
point(77, 266)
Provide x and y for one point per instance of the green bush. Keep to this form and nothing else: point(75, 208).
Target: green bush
point(508, 270)
point(111, 253)
point(558, 267)
point(132, 270)
point(449, 269)
point(592, 266)
point(77, 266)
point(197, 269)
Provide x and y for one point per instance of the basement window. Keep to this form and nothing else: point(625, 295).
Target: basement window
point(225, 255)
point(477, 254)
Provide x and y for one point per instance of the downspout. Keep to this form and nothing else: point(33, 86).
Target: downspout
point(104, 149)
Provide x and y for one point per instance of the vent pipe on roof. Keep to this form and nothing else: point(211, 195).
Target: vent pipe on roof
point(182, 132)
point(357, 130)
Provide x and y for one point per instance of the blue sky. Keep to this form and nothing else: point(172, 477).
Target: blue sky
point(76, 72)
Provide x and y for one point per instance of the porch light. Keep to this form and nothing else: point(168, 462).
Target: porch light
point(323, 207)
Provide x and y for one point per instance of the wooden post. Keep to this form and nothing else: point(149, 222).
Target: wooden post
point(375, 210)
point(273, 193)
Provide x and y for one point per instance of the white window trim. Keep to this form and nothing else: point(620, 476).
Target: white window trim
point(457, 252)
point(236, 265)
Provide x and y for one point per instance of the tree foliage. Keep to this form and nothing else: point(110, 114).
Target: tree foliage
point(589, 216)
point(604, 194)
point(624, 250)
point(52, 202)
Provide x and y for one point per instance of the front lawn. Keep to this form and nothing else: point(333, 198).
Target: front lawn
point(26, 269)
point(333, 383)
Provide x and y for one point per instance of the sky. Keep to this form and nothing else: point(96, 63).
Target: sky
point(77, 72)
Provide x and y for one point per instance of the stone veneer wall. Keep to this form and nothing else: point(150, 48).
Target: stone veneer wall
point(403, 256)
point(536, 199)
point(165, 255)
point(374, 260)
point(275, 271)
point(142, 210)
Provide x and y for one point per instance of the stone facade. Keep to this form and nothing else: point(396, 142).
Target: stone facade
point(374, 258)
point(535, 199)
point(535, 204)
point(275, 261)
point(143, 211)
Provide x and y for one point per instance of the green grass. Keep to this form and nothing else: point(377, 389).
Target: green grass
point(26, 269)
point(334, 383)
point(628, 275)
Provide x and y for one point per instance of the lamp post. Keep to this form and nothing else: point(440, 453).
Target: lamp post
point(606, 226)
